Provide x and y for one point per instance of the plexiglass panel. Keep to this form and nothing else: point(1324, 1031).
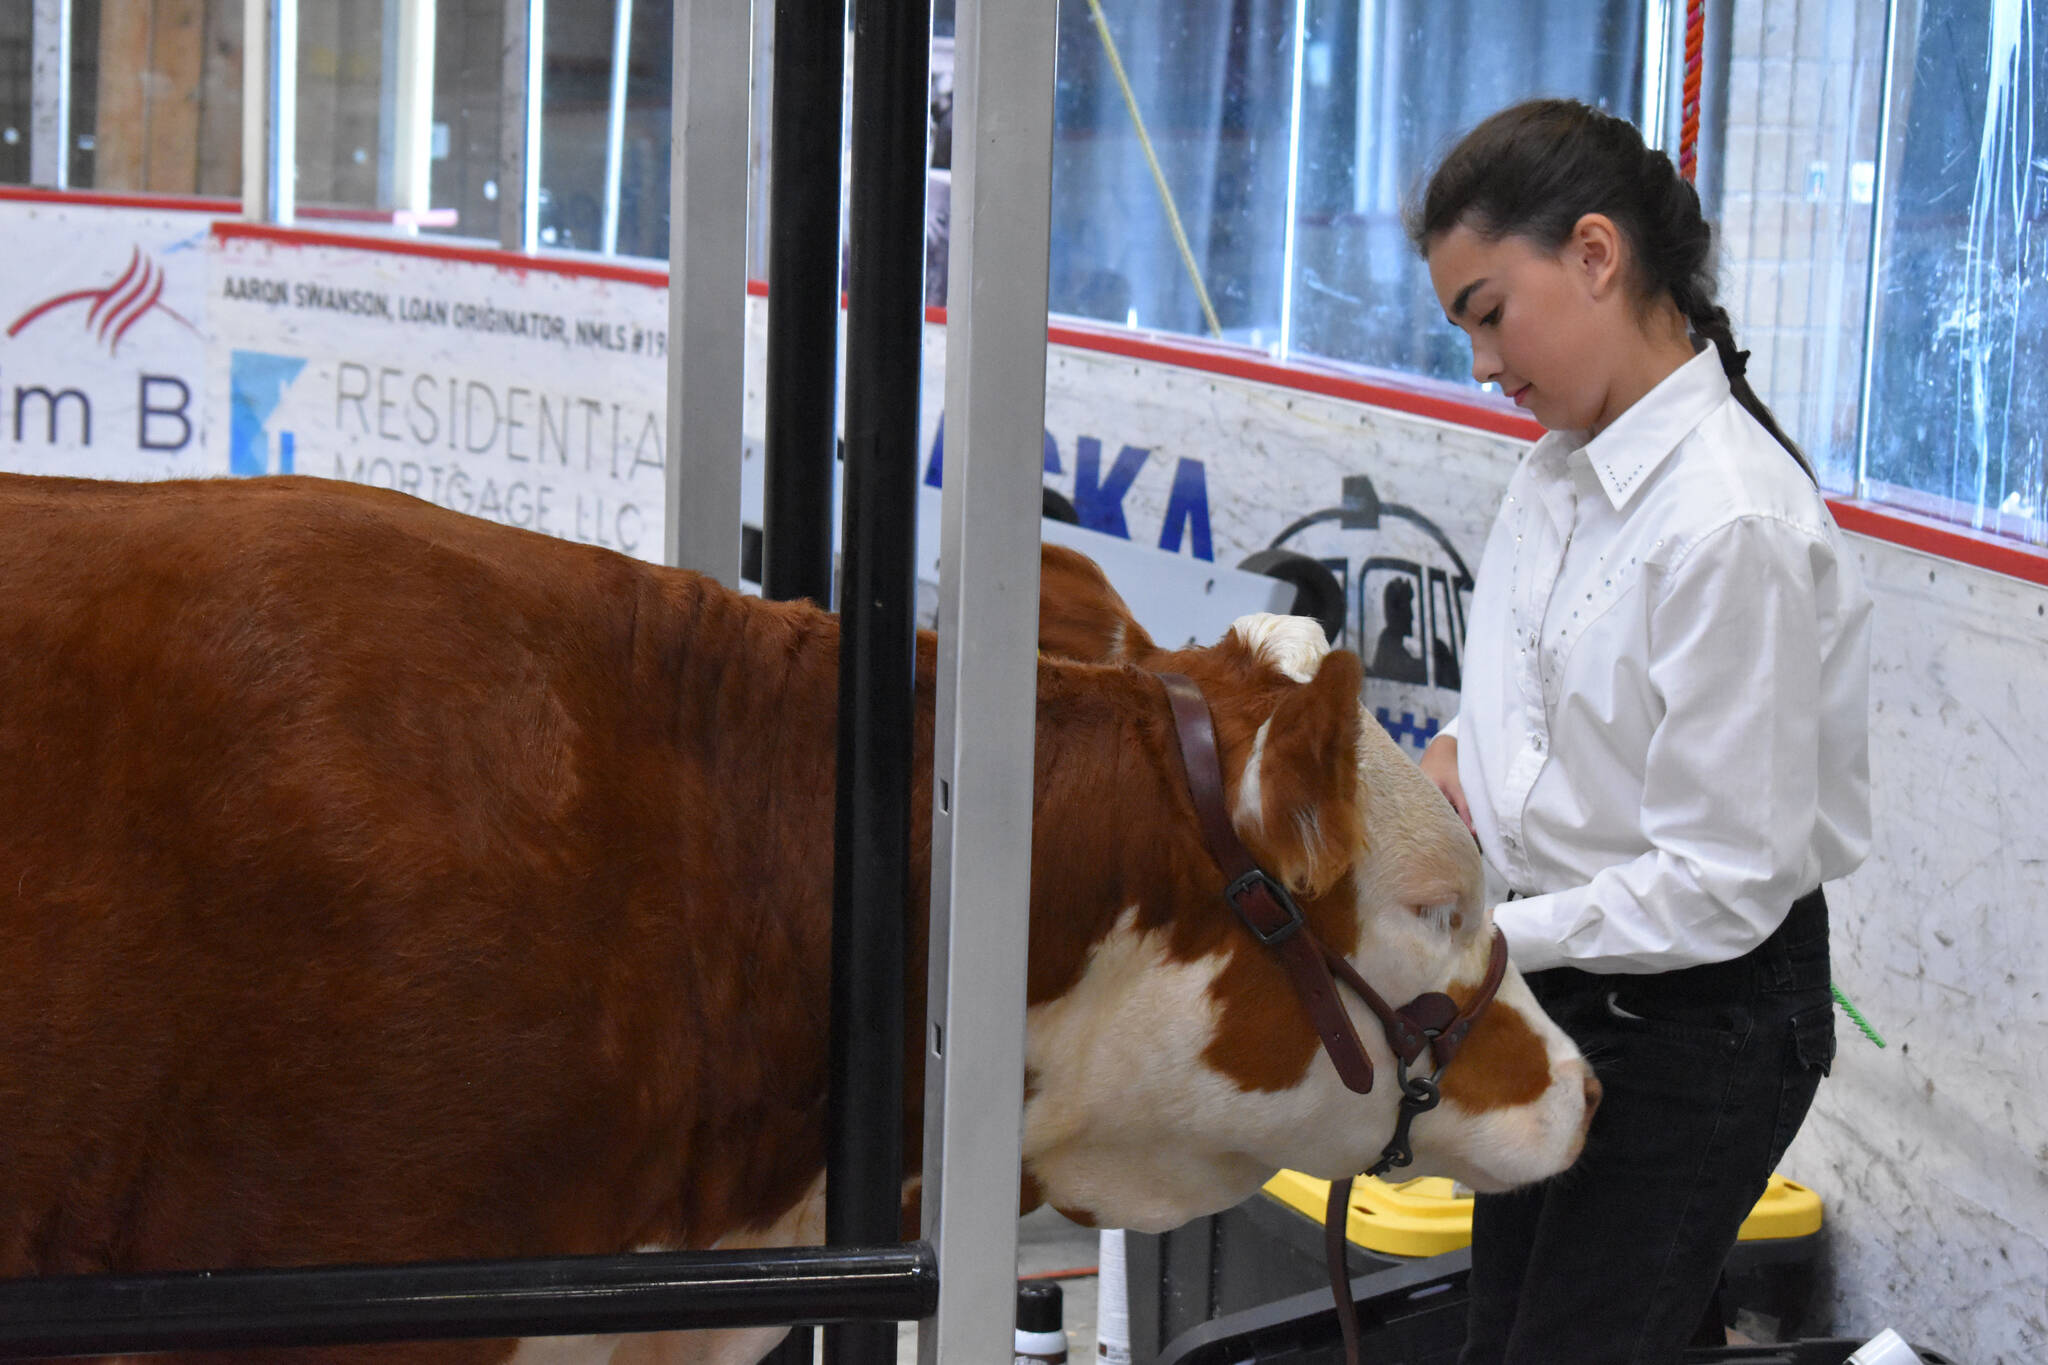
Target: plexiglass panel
point(1797, 178)
point(575, 122)
point(1277, 139)
point(17, 64)
point(1384, 88)
point(156, 96)
point(1959, 399)
point(347, 97)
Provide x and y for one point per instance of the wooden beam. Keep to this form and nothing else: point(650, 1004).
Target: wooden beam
point(220, 100)
point(177, 52)
point(121, 135)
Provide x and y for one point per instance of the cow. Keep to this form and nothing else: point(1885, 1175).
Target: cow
point(381, 884)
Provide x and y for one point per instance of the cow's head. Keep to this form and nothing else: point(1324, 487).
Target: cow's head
point(1171, 1068)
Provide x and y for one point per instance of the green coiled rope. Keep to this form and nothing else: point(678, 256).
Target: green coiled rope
point(1855, 1016)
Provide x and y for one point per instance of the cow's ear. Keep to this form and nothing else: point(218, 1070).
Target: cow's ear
point(1080, 616)
point(1308, 824)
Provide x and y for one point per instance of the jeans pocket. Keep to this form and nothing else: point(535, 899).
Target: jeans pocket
point(1809, 1055)
point(1721, 1027)
point(1813, 1037)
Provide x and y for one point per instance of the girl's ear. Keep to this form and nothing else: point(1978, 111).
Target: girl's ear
point(1596, 252)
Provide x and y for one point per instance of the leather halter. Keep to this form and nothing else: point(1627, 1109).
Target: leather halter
point(1430, 1021)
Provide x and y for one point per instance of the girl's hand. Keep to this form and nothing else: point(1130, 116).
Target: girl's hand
point(1440, 765)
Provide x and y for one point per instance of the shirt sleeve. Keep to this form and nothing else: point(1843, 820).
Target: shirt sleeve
point(1731, 778)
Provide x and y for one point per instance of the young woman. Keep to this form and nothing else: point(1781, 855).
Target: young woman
point(1662, 738)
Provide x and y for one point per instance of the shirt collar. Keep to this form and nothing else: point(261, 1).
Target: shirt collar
point(1637, 442)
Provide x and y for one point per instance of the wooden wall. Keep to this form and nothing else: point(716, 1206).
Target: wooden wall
point(169, 97)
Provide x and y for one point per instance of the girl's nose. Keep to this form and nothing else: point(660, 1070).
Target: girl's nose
point(1485, 366)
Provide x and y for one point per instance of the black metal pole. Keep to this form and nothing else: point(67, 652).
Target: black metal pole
point(803, 298)
point(885, 320)
point(104, 1315)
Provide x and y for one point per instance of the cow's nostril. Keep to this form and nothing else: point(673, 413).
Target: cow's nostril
point(1592, 1092)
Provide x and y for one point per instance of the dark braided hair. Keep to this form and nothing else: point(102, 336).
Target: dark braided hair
point(1534, 169)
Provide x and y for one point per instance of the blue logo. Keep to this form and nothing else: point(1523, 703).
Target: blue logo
point(256, 385)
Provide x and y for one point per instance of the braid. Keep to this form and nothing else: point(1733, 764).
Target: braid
point(1534, 169)
point(1694, 295)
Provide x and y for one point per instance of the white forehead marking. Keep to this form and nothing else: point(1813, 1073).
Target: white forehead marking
point(1293, 644)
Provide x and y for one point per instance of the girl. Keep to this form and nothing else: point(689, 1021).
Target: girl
point(1661, 744)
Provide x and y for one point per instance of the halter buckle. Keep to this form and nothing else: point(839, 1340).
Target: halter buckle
point(1253, 882)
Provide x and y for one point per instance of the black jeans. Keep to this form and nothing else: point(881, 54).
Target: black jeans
point(1708, 1073)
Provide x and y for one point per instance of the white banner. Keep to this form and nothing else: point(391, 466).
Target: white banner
point(102, 346)
point(527, 397)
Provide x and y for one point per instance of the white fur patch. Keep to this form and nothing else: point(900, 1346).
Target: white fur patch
point(803, 1225)
point(1295, 645)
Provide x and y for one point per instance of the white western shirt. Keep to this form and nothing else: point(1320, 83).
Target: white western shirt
point(1663, 732)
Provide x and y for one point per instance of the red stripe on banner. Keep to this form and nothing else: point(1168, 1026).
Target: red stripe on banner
point(443, 251)
point(1389, 392)
point(90, 199)
point(1945, 540)
point(221, 206)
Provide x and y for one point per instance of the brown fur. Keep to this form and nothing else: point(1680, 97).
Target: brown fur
point(381, 884)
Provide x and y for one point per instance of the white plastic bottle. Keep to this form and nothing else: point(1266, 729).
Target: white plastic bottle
point(1113, 1304)
point(1041, 1329)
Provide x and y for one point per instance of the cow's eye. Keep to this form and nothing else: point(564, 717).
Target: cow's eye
point(1444, 915)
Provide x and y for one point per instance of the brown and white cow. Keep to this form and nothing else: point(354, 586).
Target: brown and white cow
point(381, 884)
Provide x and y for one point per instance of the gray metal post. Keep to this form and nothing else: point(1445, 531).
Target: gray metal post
point(615, 121)
point(519, 104)
point(270, 109)
point(49, 133)
point(707, 285)
point(988, 677)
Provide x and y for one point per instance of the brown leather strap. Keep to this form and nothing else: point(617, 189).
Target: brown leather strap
point(1336, 1221)
point(1409, 1029)
point(1261, 902)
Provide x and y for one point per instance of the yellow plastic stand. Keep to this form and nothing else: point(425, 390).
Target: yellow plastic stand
point(1430, 1215)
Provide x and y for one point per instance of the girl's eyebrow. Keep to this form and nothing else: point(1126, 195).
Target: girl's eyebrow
point(1458, 303)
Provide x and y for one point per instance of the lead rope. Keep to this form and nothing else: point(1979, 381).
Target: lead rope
point(1335, 1219)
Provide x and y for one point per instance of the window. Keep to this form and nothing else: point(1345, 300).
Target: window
point(1790, 190)
point(346, 108)
point(1286, 134)
point(17, 64)
point(156, 96)
point(575, 128)
point(1958, 420)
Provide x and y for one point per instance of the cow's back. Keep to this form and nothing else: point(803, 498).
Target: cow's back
point(320, 805)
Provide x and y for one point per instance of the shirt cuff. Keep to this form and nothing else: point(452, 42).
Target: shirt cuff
point(1532, 947)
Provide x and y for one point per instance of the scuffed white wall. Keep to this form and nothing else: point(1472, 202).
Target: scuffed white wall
point(1932, 1155)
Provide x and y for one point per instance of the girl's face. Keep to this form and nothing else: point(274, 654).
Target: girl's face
point(1541, 323)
